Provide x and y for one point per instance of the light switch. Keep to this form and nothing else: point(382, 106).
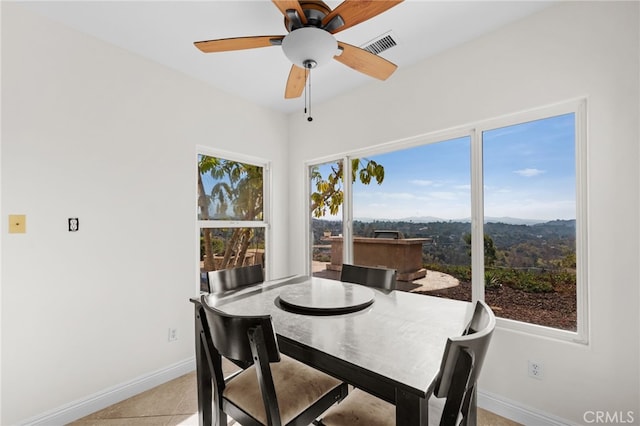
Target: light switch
point(17, 224)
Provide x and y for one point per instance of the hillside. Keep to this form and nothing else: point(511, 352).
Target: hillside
point(539, 245)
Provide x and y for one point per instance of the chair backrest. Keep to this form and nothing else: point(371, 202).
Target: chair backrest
point(230, 279)
point(369, 276)
point(481, 319)
point(247, 339)
point(204, 281)
point(230, 334)
point(461, 364)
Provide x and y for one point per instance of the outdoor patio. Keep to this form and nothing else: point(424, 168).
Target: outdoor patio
point(434, 280)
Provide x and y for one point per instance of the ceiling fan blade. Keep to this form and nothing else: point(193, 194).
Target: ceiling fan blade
point(285, 5)
point(365, 62)
point(237, 43)
point(295, 83)
point(354, 12)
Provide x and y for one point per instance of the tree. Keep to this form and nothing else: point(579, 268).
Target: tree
point(238, 187)
point(490, 254)
point(329, 193)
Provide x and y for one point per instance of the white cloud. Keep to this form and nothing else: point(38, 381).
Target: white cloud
point(529, 172)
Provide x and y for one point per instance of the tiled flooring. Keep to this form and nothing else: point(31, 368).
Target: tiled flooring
point(175, 403)
point(172, 403)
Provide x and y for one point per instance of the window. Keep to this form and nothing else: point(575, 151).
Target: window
point(231, 213)
point(496, 210)
point(530, 221)
point(327, 193)
point(396, 197)
point(416, 220)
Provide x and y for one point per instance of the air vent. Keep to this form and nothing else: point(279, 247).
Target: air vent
point(380, 43)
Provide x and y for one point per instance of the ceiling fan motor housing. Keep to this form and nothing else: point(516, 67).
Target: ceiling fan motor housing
point(314, 13)
point(308, 45)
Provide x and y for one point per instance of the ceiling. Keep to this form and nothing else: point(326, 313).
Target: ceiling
point(164, 32)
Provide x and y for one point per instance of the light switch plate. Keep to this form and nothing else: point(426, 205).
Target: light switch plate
point(17, 223)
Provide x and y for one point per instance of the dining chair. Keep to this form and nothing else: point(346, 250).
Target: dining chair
point(452, 399)
point(369, 276)
point(230, 279)
point(276, 390)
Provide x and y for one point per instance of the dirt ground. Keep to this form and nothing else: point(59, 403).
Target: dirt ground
point(556, 309)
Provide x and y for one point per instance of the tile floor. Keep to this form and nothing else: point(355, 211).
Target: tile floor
point(175, 404)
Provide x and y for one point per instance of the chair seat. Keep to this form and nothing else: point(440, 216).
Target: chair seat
point(297, 386)
point(363, 409)
point(360, 409)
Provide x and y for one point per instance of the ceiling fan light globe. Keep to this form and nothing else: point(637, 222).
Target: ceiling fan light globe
point(309, 44)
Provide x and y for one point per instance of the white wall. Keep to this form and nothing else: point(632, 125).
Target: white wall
point(570, 50)
point(91, 131)
point(94, 132)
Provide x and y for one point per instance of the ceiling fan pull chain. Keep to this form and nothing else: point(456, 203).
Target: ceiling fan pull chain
point(306, 77)
point(307, 93)
point(309, 118)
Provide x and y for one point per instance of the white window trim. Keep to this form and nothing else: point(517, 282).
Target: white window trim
point(266, 207)
point(577, 106)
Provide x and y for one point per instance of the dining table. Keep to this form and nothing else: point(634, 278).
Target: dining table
point(387, 343)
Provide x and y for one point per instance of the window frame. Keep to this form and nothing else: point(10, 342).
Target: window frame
point(578, 107)
point(265, 223)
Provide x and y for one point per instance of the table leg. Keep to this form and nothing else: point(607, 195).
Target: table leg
point(203, 374)
point(411, 410)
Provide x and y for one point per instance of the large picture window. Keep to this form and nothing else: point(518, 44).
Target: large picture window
point(496, 214)
point(530, 221)
point(231, 213)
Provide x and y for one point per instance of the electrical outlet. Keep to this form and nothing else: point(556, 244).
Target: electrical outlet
point(173, 334)
point(535, 370)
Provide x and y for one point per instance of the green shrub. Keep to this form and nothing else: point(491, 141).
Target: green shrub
point(462, 273)
point(525, 280)
point(491, 280)
point(533, 283)
point(564, 277)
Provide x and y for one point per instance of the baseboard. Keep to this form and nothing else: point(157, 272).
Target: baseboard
point(517, 412)
point(83, 407)
point(96, 402)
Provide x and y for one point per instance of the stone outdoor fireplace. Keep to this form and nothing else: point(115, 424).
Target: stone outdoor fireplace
point(402, 254)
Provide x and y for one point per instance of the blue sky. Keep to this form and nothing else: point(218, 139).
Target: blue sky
point(529, 173)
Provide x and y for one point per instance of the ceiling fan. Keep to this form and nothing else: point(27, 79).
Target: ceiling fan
point(310, 42)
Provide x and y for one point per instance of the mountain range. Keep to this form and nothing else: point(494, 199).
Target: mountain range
point(429, 219)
